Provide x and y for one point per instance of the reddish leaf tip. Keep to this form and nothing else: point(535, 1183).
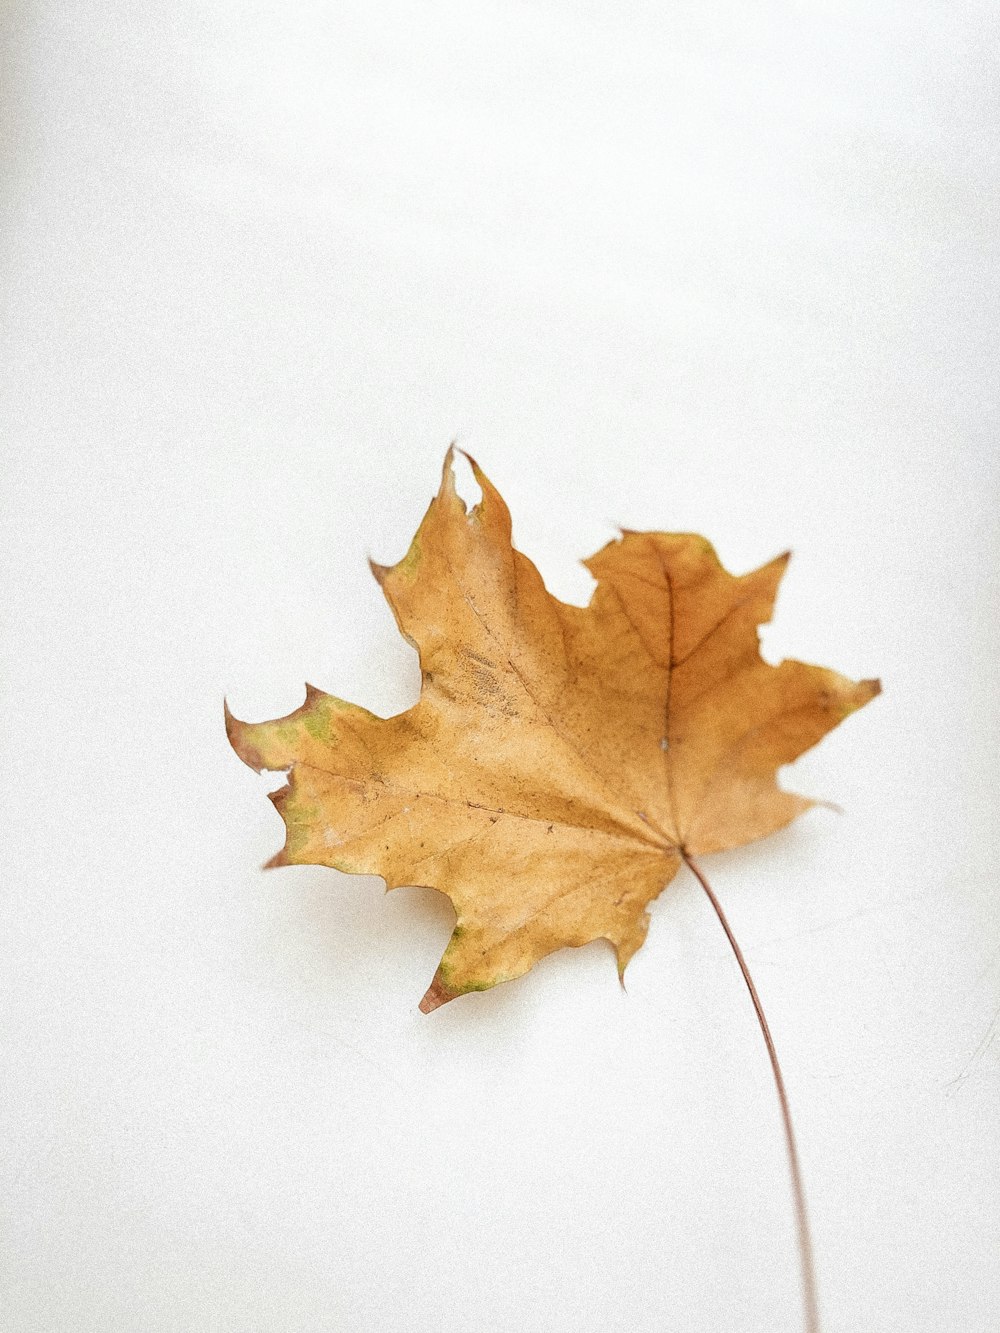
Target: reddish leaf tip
point(437, 995)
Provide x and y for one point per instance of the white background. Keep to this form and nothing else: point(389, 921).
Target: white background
point(725, 267)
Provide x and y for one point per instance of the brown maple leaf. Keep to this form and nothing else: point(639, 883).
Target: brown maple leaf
point(561, 761)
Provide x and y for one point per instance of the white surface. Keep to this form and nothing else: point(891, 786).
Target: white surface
point(729, 268)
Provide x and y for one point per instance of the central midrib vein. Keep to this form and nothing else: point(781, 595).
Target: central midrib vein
point(668, 750)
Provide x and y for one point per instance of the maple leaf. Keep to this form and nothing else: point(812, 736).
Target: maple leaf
point(561, 762)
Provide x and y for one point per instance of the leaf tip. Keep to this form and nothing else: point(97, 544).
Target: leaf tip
point(448, 471)
point(864, 692)
point(477, 471)
point(236, 734)
point(625, 948)
point(437, 995)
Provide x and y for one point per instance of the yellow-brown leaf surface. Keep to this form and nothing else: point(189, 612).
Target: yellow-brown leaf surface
point(560, 760)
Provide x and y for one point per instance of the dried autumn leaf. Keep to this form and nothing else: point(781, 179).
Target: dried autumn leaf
point(561, 761)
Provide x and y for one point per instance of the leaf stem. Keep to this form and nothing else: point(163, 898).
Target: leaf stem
point(811, 1308)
